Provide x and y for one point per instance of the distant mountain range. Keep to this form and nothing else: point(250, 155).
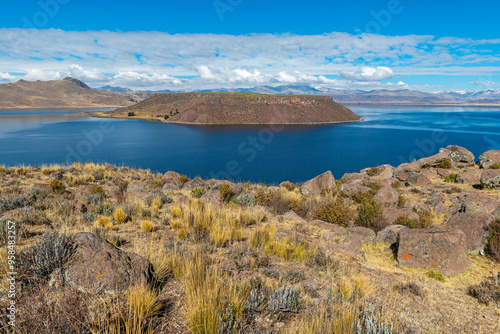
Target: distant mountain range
point(73, 93)
point(371, 97)
point(66, 93)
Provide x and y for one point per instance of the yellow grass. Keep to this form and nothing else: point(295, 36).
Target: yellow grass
point(175, 211)
point(103, 221)
point(143, 302)
point(146, 225)
point(119, 215)
point(46, 170)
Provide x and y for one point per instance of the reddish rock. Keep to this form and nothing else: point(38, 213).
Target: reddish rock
point(490, 179)
point(390, 233)
point(460, 156)
point(418, 179)
point(474, 202)
point(489, 158)
point(417, 207)
point(436, 198)
point(354, 187)
point(441, 209)
point(169, 187)
point(379, 173)
point(95, 265)
point(197, 182)
point(475, 227)
point(403, 171)
point(469, 176)
point(357, 236)
point(496, 212)
point(434, 248)
point(430, 173)
point(392, 214)
point(352, 176)
point(172, 177)
point(387, 196)
point(319, 184)
point(139, 190)
point(434, 160)
point(442, 172)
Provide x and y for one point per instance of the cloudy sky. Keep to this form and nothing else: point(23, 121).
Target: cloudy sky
point(391, 44)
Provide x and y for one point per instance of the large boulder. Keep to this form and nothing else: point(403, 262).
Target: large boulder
point(172, 177)
point(403, 171)
point(471, 201)
point(96, 266)
point(418, 179)
point(319, 184)
point(197, 182)
point(460, 156)
point(469, 176)
point(435, 160)
point(358, 235)
point(434, 248)
point(354, 187)
point(489, 158)
point(387, 196)
point(475, 227)
point(491, 179)
point(379, 173)
point(392, 214)
point(436, 198)
point(139, 190)
point(390, 234)
point(496, 212)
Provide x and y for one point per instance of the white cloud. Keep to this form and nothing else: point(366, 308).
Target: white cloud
point(6, 77)
point(33, 75)
point(485, 83)
point(77, 72)
point(209, 60)
point(366, 73)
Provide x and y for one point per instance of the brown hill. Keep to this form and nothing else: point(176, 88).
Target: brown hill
point(238, 108)
point(66, 93)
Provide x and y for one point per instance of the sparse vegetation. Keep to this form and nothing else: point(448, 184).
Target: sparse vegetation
point(451, 178)
point(334, 212)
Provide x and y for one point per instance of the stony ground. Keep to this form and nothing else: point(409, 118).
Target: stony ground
point(106, 249)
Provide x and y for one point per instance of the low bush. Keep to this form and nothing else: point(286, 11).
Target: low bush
point(246, 199)
point(451, 178)
point(131, 114)
point(57, 186)
point(14, 202)
point(198, 192)
point(495, 166)
point(436, 275)
point(488, 291)
point(225, 192)
point(120, 216)
point(446, 163)
point(39, 261)
point(370, 215)
point(97, 190)
point(334, 212)
point(373, 171)
point(183, 179)
point(146, 225)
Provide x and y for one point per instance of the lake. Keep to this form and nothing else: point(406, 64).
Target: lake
point(269, 154)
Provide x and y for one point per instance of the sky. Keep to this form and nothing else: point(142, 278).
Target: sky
point(206, 44)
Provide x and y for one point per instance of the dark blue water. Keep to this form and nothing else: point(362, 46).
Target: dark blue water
point(268, 154)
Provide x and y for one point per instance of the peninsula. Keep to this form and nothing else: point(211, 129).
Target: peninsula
point(236, 108)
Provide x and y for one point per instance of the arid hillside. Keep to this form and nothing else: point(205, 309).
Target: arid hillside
point(106, 249)
point(66, 93)
point(238, 108)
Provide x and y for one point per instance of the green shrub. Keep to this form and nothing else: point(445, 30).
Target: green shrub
point(131, 114)
point(402, 201)
point(246, 199)
point(225, 192)
point(396, 184)
point(425, 220)
point(370, 215)
point(446, 163)
point(57, 186)
point(452, 178)
point(183, 179)
point(373, 171)
point(197, 192)
point(166, 117)
point(97, 190)
point(436, 275)
point(495, 166)
point(14, 202)
point(334, 212)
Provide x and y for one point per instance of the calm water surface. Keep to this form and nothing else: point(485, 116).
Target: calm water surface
point(258, 153)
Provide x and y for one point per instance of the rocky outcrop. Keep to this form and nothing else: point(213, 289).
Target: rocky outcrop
point(489, 158)
point(434, 248)
point(387, 196)
point(403, 171)
point(96, 266)
point(390, 234)
point(321, 183)
point(475, 227)
point(490, 179)
point(469, 176)
point(418, 179)
point(460, 156)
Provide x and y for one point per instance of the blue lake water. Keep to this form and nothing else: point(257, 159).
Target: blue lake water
point(268, 154)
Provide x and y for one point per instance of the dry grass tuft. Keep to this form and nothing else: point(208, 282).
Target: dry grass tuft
point(146, 225)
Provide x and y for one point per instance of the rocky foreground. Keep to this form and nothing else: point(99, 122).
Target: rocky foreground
point(237, 108)
point(106, 249)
